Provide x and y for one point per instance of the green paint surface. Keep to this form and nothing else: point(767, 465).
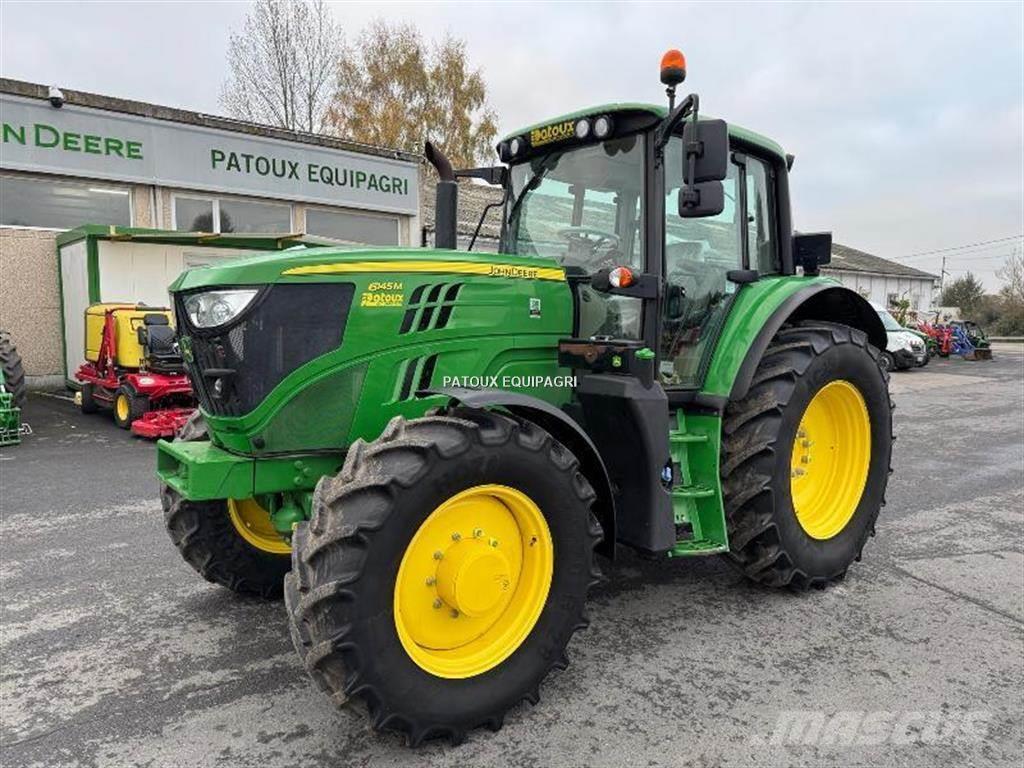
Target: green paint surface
point(750, 310)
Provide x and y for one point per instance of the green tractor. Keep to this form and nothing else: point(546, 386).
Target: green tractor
point(424, 450)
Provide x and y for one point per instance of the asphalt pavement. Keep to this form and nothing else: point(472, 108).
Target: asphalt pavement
point(113, 652)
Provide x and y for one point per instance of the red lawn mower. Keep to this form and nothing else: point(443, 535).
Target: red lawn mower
point(134, 368)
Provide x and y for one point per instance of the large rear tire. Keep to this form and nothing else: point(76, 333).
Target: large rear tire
point(14, 371)
point(806, 457)
point(380, 622)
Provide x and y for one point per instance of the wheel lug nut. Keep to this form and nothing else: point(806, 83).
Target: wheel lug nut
point(478, 532)
point(456, 536)
point(437, 602)
point(805, 459)
point(439, 555)
point(455, 614)
point(798, 472)
point(807, 443)
point(431, 581)
point(493, 542)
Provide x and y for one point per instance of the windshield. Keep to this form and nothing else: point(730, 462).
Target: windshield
point(889, 321)
point(580, 205)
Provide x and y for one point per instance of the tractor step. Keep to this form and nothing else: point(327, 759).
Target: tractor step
point(696, 498)
point(692, 492)
point(697, 547)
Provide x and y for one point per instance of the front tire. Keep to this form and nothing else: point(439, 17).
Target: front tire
point(213, 536)
point(129, 405)
point(369, 631)
point(14, 370)
point(806, 457)
point(208, 536)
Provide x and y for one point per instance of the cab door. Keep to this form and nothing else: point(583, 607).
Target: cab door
point(698, 256)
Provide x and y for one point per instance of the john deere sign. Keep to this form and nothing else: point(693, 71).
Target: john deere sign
point(79, 141)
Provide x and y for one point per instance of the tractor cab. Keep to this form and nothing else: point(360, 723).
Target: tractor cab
point(676, 209)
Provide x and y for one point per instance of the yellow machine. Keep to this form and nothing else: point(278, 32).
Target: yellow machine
point(128, 318)
point(133, 367)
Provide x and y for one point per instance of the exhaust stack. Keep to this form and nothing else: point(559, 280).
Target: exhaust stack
point(446, 203)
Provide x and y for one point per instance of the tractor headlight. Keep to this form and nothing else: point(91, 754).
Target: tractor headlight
point(515, 146)
point(603, 127)
point(212, 308)
point(582, 129)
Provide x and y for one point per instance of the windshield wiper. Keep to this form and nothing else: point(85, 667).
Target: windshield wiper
point(549, 162)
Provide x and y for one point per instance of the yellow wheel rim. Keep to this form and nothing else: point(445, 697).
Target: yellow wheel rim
point(122, 408)
point(253, 524)
point(473, 581)
point(830, 459)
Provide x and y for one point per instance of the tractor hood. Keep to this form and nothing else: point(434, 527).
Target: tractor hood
point(312, 264)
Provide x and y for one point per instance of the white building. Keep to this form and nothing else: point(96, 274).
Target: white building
point(882, 281)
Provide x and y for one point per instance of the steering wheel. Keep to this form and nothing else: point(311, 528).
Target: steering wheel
point(590, 236)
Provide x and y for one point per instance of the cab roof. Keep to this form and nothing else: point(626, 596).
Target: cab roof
point(735, 131)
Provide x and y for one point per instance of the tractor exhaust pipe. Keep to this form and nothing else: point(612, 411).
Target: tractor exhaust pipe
point(446, 204)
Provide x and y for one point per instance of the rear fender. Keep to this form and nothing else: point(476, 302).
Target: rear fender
point(763, 307)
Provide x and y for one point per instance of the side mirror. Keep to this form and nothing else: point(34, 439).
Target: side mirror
point(705, 199)
point(707, 141)
point(811, 250)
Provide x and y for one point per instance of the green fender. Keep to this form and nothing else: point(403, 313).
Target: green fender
point(761, 308)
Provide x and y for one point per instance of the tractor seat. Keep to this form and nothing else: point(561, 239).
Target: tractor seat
point(158, 339)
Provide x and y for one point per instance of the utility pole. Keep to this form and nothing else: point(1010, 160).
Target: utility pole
point(942, 278)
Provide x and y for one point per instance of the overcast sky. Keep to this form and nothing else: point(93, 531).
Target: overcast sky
point(907, 120)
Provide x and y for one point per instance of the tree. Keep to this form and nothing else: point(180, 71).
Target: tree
point(1011, 298)
point(965, 292)
point(283, 65)
point(396, 90)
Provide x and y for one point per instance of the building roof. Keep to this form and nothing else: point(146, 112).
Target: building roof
point(253, 241)
point(473, 198)
point(847, 259)
point(172, 114)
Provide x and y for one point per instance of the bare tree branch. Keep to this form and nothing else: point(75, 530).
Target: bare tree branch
point(282, 65)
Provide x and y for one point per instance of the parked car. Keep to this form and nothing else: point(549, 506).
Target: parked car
point(905, 348)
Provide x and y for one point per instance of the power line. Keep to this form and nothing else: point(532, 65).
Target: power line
point(961, 247)
point(966, 253)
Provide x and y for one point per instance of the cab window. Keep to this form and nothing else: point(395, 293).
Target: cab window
point(698, 254)
point(764, 252)
point(582, 205)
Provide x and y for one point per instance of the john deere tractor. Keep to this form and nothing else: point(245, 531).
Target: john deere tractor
point(425, 449)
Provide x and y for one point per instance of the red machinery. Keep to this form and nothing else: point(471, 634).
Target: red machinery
point(940, 335)
point(134, 368)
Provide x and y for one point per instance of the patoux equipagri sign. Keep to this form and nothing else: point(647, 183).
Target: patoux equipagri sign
point(81, 141)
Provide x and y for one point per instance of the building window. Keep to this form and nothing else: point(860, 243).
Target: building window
point(56, 204)
point(352, 227)
point(211, 214)
point(192, 214)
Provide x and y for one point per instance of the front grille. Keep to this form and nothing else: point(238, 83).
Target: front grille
point(286, 326)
